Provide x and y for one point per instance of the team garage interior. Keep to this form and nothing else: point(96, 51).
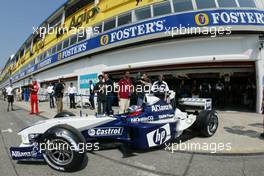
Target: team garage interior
point(231, 85)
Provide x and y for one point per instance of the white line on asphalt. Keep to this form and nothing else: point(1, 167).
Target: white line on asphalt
point(9, 130)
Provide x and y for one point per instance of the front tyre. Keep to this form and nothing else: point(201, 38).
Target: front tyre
point(63, 151)
point(208, 123)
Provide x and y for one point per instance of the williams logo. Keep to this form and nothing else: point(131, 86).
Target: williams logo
point(202, 19)
point(104, 40)
point(159, 136)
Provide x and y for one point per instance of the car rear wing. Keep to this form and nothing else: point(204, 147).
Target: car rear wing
point(196, 103)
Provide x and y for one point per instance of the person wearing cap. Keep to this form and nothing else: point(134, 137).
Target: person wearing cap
point(34, 88)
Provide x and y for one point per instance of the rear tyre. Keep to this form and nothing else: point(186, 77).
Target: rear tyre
point(62, 150)
point(207, 123)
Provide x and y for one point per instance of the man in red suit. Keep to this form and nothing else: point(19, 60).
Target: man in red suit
point(34, 96)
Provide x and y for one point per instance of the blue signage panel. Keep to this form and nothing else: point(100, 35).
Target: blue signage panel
point(197, 19)
point(84, 80)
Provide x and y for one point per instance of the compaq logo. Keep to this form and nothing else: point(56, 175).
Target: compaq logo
point(202, 19)
point(108, 131)
point(156, 108)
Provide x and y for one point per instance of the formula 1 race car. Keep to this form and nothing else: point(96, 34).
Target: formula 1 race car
point(153, 124)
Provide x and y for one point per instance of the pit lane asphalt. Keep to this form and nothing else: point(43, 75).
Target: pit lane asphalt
point(111, 162)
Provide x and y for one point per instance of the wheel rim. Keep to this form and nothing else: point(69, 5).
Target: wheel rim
point(212, 124)
point(60, 154)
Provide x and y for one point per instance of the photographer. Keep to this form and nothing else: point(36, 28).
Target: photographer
point(143, 87)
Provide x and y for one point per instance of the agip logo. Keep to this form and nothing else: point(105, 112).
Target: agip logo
point(104, 40)
point(202, 19)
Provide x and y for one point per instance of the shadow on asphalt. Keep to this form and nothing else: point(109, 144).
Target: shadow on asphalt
point(83, 166)
point(240, 130)
point(259, 125)
point(130, 152)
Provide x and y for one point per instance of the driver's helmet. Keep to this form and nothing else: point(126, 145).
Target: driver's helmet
point(134, 108)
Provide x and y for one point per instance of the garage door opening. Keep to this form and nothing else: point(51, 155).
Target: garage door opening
point(232, 86)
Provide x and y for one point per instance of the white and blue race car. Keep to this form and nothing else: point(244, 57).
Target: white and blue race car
point(57, 140)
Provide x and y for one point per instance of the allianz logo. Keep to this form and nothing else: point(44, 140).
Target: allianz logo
point(108, 131)
point(157, 108)
point(20, 154)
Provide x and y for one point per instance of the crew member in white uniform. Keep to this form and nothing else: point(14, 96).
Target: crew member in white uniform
point(72, 92)
point(160, 88)
point(10, 97)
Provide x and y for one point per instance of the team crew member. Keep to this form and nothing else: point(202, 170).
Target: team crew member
point(262, 134)
point(59, 90)
point(4, 93)
point(50, 91)
point(124, 94)
point(100, 89)
point(143, 87)
point(160, 88)
point(34, 96)
point(91, 98)
point(72, 92)
point(109, 94)
point(10, 97)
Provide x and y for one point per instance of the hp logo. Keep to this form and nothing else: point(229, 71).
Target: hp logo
point(159, 136)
